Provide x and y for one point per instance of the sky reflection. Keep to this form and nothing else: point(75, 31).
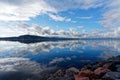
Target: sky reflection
point(34, 61)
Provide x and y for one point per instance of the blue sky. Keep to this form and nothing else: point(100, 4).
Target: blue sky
point(87, 18)
point(71, 18)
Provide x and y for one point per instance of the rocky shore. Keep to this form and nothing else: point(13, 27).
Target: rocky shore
point(104, 70)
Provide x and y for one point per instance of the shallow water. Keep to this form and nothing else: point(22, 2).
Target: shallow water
point(19, 61)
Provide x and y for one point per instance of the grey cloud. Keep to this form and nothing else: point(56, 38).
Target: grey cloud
point(111, 16)
point(22, 10)
point(24, 28)
point(73, 4)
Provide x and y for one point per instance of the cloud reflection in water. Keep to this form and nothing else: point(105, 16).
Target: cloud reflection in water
point(22, 69)
point(16, 49)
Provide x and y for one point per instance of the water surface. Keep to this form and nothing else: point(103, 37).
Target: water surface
point(19, 61)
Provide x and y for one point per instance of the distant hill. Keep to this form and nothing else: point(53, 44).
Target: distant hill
point(34, 39)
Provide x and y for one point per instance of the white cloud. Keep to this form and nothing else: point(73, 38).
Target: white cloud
point(22, 10)
point(14, 10)
point(109, 33)
point(85, 17)
point(111, 16)
point(80, 27)
point(24, 28)
point(59, 18)
point(64, 5)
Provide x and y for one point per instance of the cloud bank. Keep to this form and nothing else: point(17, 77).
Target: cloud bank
point(23, 10)
point(14, 10)
point(24, 28)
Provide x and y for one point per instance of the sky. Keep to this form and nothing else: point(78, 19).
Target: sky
point(66, 18)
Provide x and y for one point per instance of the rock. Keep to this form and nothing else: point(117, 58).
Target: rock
point(73, 70)
point(88, 66)
point(114, 59)
point(107, 65)
point(118, 69)
point(77, 77)
point(59, 78)
point(117, 66)
point(96, 65)
point(101, 70)
point(113, 75)
point(86, 74)
point(113, 66)
point(59, 73)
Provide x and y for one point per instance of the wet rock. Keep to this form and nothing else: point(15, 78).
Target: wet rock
point(57, 78)
point(98, 64)
point(113, 75)
point(101, 70)
point(77, 77)
point(118, 68)
point(113, 66)
point(59, 73)
point(85, 74)
point(88, 66)
point(73, 70)
point(107, 65)
point(56, 75)
point(104, 70)
point(114, 59)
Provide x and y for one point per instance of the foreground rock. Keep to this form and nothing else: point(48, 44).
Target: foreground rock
point(106, 70)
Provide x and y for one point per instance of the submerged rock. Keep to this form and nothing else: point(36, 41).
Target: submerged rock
point(118, 67)
point(62, 75)
point(113, 75)
point(104, 70)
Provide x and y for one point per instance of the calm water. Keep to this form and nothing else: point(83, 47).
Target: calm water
point(20, 61)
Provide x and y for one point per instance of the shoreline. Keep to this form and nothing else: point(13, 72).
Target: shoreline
point(102, 70)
